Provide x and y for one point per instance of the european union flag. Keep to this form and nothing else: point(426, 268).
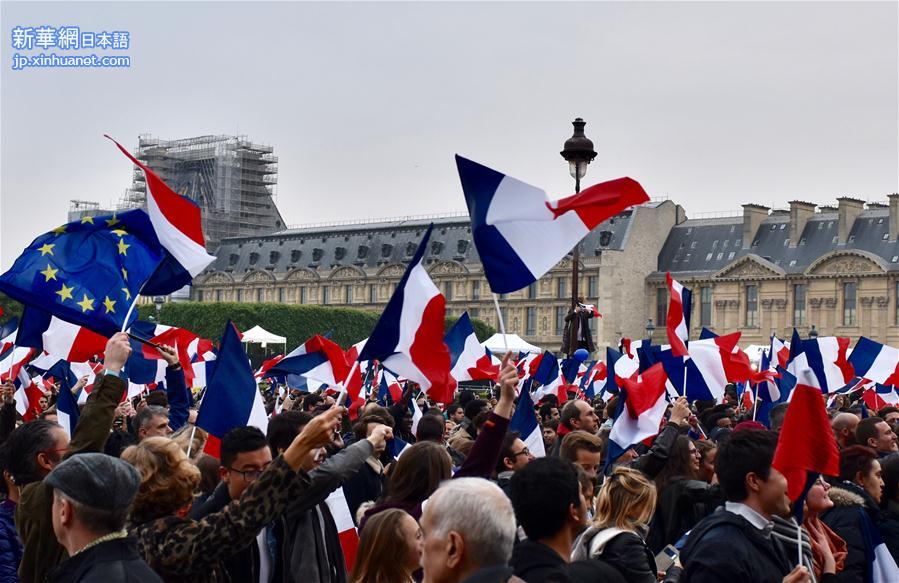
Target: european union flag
point(87, 272)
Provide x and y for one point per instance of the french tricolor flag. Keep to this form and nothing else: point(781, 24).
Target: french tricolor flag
point(58, 338)
point(66, 405)
point(232, 398)
point(827, 358)
point(524, 421)
point(880, 396)
point(520, 234)
point(678, 324)
point(178, 225)
point(875, 361)
point(641, 407)
point(408, 338)
point(469, 360)
point(346, 528)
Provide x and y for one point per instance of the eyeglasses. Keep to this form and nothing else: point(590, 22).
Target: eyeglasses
point(525, 451)
point(249, 475)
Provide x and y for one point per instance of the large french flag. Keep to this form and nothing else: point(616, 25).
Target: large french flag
point(875, 361)
point(408, 338)
point(321, 360)
point(178, 226)
point(524, 421)
point(232, 398)
point(469, 360)
point(678, 323)
point(827, 358)
point(58, 338)
point(520, 234)
point(641, 406)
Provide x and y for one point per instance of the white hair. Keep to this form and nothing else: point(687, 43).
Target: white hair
point(479, 511)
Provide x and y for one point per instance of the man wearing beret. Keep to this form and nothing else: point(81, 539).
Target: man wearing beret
point(92, 494)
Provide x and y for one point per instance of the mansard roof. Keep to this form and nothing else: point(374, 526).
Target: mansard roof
point(373, 245)
point(706, 247)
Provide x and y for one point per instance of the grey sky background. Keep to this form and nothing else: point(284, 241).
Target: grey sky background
point(713, 104)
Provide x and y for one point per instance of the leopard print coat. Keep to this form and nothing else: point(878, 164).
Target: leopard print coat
point(185, 550)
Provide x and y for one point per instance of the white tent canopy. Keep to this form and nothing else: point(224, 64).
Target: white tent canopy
point(258, 335)
point(515, 343)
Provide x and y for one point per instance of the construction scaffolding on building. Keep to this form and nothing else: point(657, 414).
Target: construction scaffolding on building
point(229, 177)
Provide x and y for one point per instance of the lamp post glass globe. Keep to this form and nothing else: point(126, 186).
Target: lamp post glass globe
point(650, 328)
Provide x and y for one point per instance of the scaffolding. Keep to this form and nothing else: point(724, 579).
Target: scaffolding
point(231, 179)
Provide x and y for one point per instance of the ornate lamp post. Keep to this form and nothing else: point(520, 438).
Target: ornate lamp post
point(650, 328)
point(579, 152)
point(158, 301)
point(813, 334)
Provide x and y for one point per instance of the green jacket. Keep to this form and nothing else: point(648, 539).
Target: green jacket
point(33, 514)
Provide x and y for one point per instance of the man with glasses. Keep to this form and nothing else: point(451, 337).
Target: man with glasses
point(513, 456)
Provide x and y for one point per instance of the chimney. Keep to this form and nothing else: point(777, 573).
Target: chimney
point(753, 215)
point(848, 210)
point(894, 216)
point(799, 215)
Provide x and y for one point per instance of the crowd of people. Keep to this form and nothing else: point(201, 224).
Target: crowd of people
point(132, 497)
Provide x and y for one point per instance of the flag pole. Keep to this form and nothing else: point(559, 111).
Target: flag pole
point(342, 394)
point(131, 308)
point(190, 442)
point(502, 325)
point(799, 540)
point(755, 400)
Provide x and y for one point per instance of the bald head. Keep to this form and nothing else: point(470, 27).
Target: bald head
point(843, 425)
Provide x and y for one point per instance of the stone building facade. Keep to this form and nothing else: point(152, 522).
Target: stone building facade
point(832, 267)
point(359, 265)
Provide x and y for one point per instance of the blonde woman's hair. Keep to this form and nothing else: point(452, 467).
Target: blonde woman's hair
point(168, 478)
point(626, 500)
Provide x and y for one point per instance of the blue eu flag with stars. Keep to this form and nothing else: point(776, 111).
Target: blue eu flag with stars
point(87, 272)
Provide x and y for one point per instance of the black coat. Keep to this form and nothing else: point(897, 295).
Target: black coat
point(625, 552)
point(682, 504)
point(726, 547)
point(114, 560)
point(534, 562)
point(850, 505)
point(583, 324)
point(889, 529)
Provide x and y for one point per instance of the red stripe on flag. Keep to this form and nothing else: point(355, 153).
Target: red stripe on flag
point(213, 447)
point(178, 210)
point(430, 354)
point(599, 202)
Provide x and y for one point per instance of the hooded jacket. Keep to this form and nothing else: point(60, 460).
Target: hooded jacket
point(726, 547)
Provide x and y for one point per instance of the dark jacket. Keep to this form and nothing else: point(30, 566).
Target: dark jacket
point(653, 461)
point(535, 562)
point(33, 514)
point(889, 528)
point(682, 504)
point(726, 547)
point(114, 560)
point(366, 485)
point(851, 506)
point(625, 551)
point(10, 545)
point(307, 538)
point(583, 331)
point(480, 463)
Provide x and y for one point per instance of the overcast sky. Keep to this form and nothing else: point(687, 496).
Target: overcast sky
point(713, 104)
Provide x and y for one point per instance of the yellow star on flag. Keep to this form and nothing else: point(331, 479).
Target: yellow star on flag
point(49, 273)
point(124, 274)
point(46, 248)
point(59, 230)
point(123, 248)
point(120, 232)
point(127, 293)
point(110, 305)
point(86, 304)
point(87, 219)
point(112, 221)
point(65, 293)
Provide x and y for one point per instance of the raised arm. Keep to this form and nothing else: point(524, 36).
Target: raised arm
point(484, 454)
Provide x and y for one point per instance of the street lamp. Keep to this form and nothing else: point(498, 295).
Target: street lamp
point(578, 151)
point(650, 328)
point(813, 334)
point(158, 301)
